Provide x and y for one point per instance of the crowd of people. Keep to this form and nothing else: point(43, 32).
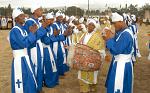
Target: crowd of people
point(6, 22)
point(40, 48)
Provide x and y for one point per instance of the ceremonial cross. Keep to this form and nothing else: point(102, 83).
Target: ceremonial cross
point(118, 91)
point(18, 82)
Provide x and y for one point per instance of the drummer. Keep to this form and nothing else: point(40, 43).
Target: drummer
point(93, 39)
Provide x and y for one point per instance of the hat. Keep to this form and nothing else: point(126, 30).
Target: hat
point(81, 20)
point(92, 21)
point(63, 15)
point(71, 18)
point(35, 7)
point(59, 14)
point(116, 17)
point(133, 17)
point(50, 16)
point(67, 18)
point(124, 16)
point(16, 12)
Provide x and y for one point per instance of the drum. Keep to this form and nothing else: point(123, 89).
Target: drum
point(85, 58)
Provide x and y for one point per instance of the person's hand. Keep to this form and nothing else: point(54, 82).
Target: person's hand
point(66, 47)
point(68, 31)
point(33, 28)
point(108, 34)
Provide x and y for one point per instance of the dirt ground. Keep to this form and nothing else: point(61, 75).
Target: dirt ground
point(70, 83)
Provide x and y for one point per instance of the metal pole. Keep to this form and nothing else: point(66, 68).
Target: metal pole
point(88, 8)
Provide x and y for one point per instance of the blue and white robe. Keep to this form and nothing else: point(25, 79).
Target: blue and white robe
point(51, 76)
point(59, 50)
point(134, 29)
point(22, 73)
point(120, 74)
point(68, 39)
point(36, 53)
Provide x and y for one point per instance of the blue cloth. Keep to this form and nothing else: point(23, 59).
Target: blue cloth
point(123, 45)
point(51, 78)
point(62, 68)
point(17, 41)
point(66, 42)
point(133, 28)
point(39, 34)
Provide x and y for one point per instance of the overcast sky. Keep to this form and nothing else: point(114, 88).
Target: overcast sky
point(81, 3)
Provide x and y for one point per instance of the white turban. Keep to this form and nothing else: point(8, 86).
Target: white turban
point(59, 14)
point(67, 18)
point(63, 15)
point(92, 21)
point(133, 17)
point(81, 20)
point(116, 17)
point(72, 18)
point(16, 12)
point(50, 16)
point(34, 7)
point(124, 16)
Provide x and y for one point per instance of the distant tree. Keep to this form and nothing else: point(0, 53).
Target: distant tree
point(73, 10)
point(114, 9)
point(97, 12)
point(27, 11)
point(92, 12)
point(9, 10)
point(142, 10)
point(133, 9)
point(146, 7)
point(2, 11)
point(124, 10)
point(86, 12)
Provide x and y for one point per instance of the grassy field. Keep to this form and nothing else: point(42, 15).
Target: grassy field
point(70, 83)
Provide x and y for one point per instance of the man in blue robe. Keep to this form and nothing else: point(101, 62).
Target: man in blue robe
point(58, 47)
point(51, 76)
point(120, 75)
point(36, 50)
point(134, 29)
point(22, 73)
point(67, 42)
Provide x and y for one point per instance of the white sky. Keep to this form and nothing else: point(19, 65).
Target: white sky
point(81, 3)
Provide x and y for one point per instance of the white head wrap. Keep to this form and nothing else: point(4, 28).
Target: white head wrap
point(72, 18)
point(81, 20)
point(92, 21)
point(50, 16)
point(63, 15)
point(133, 17)
point(124, 16)
point(67, 18)
point(34, 7)
point(116, 17)
point(16, 12)
point(59, 14)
